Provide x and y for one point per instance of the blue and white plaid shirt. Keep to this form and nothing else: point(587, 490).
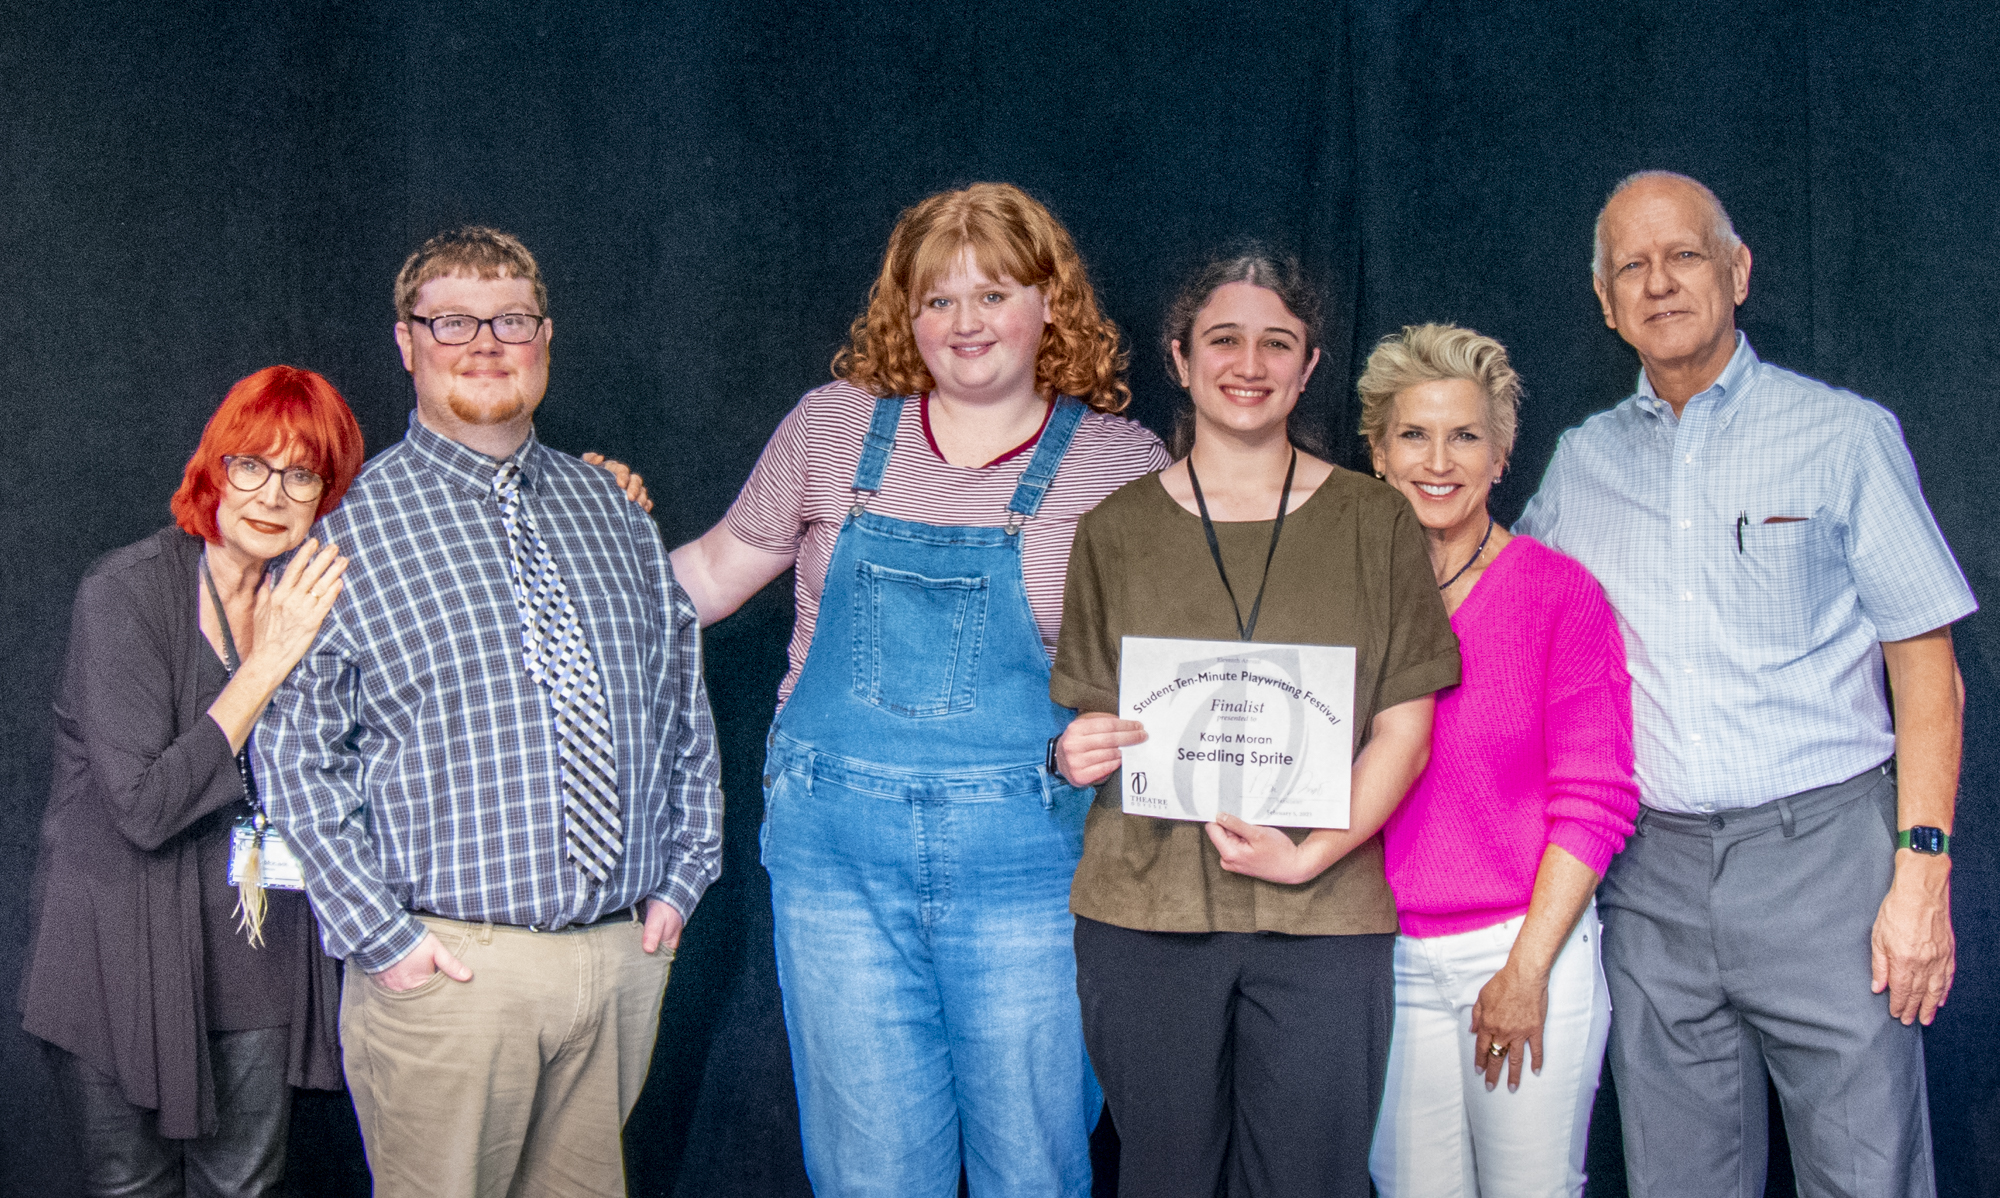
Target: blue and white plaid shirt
point(410, 759)
point(1757, 550)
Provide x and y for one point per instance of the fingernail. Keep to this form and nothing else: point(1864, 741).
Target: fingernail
point(1489, 1087)
point(1513, 1087)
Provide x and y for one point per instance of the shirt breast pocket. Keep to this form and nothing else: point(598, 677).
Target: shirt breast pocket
point(1788, 574)
point(917, 641)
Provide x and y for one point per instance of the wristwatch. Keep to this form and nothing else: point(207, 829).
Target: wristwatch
point(1931, 842)
point(1049, 757)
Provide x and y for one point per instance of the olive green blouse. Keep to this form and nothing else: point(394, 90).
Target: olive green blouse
point(1351, 569)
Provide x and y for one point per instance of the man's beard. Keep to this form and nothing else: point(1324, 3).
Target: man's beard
point(500, 412)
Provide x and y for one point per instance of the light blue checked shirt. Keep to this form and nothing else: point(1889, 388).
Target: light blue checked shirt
point(410, 759)
point(1756, 671)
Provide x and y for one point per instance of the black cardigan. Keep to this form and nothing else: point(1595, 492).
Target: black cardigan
point(115, 967)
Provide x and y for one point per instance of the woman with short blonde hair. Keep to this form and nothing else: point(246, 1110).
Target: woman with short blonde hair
point(1495, 855)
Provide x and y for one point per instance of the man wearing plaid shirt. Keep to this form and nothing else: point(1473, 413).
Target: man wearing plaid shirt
point(497, 766)
point(1784, 909)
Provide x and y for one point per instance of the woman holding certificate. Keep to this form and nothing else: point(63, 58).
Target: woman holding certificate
point(919, 848)
point(1529, 793)
point(1236, 976)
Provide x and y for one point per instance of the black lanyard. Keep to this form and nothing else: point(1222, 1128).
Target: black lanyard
point(231, 662)
point(229, 658)
point(1244, 631)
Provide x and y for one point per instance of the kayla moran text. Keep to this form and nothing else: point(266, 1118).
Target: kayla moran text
point(1224, 756)
point(1232, 738)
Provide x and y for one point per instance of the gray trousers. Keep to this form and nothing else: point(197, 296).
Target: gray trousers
point(1737, 948)
point(125, 1156)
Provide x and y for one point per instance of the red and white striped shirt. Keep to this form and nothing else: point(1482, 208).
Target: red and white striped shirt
point(802, 488)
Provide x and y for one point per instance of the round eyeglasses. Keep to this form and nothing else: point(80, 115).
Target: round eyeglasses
point(248, 474)
point(509, 328)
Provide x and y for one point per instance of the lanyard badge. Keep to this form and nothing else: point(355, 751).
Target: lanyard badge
point(259, 858)
point(258, 854)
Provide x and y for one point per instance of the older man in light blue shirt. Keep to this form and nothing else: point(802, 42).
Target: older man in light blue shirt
point(1768, 549)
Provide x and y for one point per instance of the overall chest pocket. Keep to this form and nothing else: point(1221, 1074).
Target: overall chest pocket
point(917, 641)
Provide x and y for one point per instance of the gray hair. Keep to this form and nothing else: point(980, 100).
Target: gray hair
point(1721, 232)
point(1429, 353)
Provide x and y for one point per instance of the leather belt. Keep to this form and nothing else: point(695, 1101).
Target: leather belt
point(622, 915)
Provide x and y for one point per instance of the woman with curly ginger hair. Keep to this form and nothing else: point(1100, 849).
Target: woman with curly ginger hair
point(919, 847)
point(1009, 236)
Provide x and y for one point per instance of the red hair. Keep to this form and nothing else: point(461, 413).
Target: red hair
point(1010, 235)
point(278, 408)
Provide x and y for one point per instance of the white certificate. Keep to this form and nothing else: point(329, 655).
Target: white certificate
point(1264, 732)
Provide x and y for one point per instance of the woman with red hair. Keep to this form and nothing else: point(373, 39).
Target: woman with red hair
point(180, 998)
point(920, 849)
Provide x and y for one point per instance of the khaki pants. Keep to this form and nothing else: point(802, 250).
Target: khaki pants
point(517, 1082)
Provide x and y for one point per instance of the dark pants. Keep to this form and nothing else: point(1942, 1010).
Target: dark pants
point(1239, 1064)
point(1737, 948)
point(125, 1156)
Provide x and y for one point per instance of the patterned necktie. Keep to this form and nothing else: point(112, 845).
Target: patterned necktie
point(560, 660)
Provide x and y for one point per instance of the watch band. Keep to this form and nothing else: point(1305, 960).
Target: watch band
point(1049, 756)
point(1930, 841)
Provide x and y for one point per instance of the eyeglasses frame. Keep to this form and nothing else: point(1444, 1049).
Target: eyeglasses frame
point(229, 461)
point(487, 323)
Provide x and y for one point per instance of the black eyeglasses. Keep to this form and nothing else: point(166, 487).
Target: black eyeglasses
point(509, 328)
point(248, 474)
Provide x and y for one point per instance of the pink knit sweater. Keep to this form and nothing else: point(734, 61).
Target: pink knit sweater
point(1533, 748)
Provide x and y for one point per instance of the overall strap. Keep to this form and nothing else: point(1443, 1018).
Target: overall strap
point(1048, 456)
point(876, 446)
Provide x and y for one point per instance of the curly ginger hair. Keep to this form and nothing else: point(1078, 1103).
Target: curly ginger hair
point(1011, 235)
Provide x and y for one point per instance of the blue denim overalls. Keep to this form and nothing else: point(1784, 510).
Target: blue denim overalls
point(920, 859)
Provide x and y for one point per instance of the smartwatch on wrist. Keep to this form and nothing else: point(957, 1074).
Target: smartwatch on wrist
point(1932, 842)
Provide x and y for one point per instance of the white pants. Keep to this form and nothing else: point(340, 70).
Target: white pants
point(1442, 1133)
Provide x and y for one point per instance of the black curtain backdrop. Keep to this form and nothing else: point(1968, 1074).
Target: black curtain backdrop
point(191, 192)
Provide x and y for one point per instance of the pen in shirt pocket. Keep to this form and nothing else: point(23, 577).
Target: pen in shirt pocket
point(1743, 521)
